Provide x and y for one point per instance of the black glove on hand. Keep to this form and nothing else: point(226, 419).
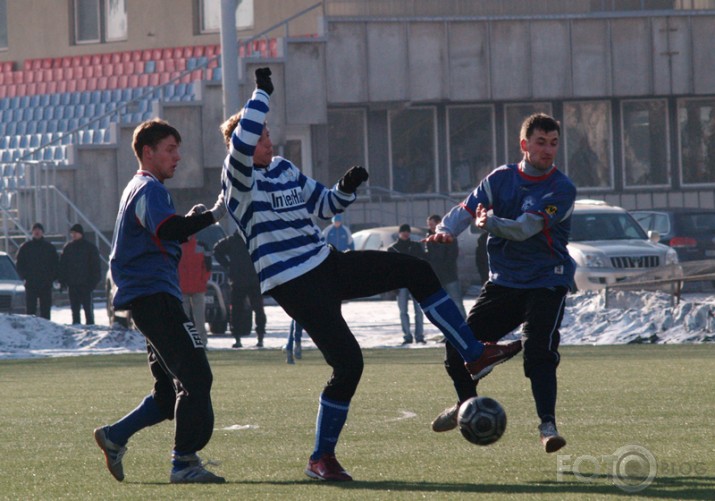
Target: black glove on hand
point(354, 177)
point(263, 80)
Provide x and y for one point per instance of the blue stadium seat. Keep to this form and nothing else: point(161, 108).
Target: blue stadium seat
point(55, 99)
point(150, 67)
point(37, 113)
point(3, 142)
point(95, 96)
point(5, 156)
point(32, 127)
point(23, 141)
point(13, 141)
point(21, 128)
point(84, 97)
point(45, 99)
point(15, 103)
point(24, 102)
point(216, 74)
point(74, 98)
point(52, 126)
point(35, 140)
point(59, 153)
point(34, 101)
point(47, 153)
point(4, 104)
point(10, 128)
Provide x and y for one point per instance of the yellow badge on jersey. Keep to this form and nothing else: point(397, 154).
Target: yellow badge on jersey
point(550, 210)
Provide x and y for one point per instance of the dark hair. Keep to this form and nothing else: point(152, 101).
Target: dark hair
point(540, 121)
point(150, 133)
point(435, 217)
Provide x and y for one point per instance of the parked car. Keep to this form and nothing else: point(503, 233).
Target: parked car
point(217, 289)
point(609, 246)
point(12, 288)
point(382, 237)
point(691, 232)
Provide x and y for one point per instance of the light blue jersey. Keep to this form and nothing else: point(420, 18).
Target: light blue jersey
point(273, 206)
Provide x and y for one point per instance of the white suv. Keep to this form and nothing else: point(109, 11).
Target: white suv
point(609, 246)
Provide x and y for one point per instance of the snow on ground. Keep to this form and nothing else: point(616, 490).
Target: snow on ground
point(632, 317)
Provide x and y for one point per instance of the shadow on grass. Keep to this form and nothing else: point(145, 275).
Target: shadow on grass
point(697, 488)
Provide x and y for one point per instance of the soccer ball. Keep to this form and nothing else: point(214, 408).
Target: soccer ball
point(482, 420)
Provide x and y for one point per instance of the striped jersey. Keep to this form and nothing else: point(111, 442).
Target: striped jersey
point(541, 260)
point(273, 206)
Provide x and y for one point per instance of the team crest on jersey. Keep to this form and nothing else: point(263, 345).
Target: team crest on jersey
point(551, 210)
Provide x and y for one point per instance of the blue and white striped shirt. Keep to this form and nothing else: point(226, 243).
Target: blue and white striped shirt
point(273, 206)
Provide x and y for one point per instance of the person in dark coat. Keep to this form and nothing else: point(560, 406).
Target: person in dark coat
point(443, 258)
point(405, 245)
point(37, 262)
point(231, 253)
point(79, 271)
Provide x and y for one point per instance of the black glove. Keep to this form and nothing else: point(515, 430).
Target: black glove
point(263, 80)
point(354, 177)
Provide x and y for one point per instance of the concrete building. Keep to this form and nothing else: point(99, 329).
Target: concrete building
point(428, 95)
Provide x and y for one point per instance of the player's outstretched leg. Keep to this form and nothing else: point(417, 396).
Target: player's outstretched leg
point(479, 359)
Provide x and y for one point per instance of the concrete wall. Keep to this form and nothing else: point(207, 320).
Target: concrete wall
point(457, 60)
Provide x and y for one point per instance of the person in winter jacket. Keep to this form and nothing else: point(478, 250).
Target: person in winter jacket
point(231, 252)
point(37, 262)
point(338, 235)
point(79, 272)
point(405, 245)
point(194, 273)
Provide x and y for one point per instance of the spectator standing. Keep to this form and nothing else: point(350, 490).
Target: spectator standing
point(194, 273)
point(246, 299)
point(293, 348)
point(443, 258)
point(405, 245)
point(338, 235)
point(37, 264)
point(79, 271)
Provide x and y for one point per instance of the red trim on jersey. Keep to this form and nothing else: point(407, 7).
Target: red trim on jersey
point(473, 213)
point(536, 178)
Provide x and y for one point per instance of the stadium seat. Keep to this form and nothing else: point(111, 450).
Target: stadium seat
point(150, 66)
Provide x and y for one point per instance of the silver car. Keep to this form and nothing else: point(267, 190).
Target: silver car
point(12, 288)
point(382, 237)
point(609, 247)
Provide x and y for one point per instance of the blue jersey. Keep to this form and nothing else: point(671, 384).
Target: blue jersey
point(273, 206)
point(340, 238)
point(141, 263)
point(541, 260)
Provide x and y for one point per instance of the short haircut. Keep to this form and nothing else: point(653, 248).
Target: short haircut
point(150, 133)
point(540, 121)
point(435, 217)
point(229, 126)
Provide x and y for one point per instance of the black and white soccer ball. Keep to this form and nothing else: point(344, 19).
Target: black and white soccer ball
point(482, 420)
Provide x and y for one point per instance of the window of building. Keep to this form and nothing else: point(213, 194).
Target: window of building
point(471, 154)
point(515, 116)
point(210, 15)
point(347, 136)
point(587, 143)
point(3, 24)
point(413, 150)
point(97, 21)
point(696, 129)
point(116, 20)
point(646, 155)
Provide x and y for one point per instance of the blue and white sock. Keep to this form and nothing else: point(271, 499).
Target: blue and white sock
point(146, 414)
point(331, 419)
point(443, 313)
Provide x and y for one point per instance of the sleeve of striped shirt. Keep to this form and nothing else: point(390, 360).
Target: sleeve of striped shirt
point(238, 165)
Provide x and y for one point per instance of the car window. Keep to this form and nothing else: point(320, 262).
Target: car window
point(657, 221)
point(692, 224)
point(7, 269)
point(605, 226)
point(373, 242)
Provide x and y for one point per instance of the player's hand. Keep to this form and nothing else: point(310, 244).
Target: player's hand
point(354, 177)
point(439, 238)
point(219, 208)
point(481, 219)
point(263, 80)
point(196, 209)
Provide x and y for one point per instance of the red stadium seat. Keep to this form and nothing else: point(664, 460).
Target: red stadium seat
point(102, 83)
point(122, 81)
point(133, 80)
